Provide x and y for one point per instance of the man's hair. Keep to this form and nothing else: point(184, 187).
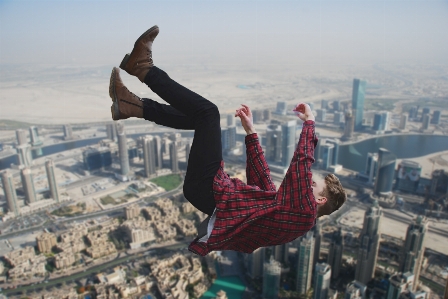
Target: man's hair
point(335, 194)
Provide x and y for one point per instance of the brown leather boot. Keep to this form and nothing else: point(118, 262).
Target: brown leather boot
point(140, 61)
point(126, 104)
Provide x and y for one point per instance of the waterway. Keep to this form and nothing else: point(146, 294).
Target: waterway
point(232, 285)
point(353, 156)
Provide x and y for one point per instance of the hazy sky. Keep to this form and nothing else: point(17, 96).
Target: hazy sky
point(226, 32)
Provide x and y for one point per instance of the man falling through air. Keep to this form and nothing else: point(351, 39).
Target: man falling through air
point(242, 217)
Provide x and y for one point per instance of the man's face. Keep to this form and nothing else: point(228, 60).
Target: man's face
point(318, 186)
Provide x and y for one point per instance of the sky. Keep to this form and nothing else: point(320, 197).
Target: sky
point(100, 32)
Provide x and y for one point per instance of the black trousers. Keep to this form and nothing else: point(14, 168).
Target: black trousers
point(189, 111)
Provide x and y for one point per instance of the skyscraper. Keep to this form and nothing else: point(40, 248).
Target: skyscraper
point(425, 122)
point(369, 244)
point(271, 279)
point(305, 257)
point(149, 158)
point(425, 111)
point(281, 108)
point(413, 249)
point(123, 149)
point(230, 120)
point(398, 283)
point(10, 192)
point(355, 290)
point(174, 157)
point(403, 122)
point(281, 253)
point(267, 115)
point(68, 133)
point(274, 143)
point(336, 105)
point(228, 139)
point(326, 155)
point(338, 118)
point(349, 126)
point(371, 166)
point(51, 177)
point(359, 89)
point(317, 230)
point(335, 253)
point(158, 151)
point(28, 185)
point(255, 262)
point(321, 115)
point(322, 281)
point(436, 117)
point(386, 172)
point(111, 131)
point(187, 151)
point(21, 137)
point(96, 158)
point(257, 116)
point(335, 156)
point(24, 154)
point(34, 136)
point(288, 141)
point(324, 104)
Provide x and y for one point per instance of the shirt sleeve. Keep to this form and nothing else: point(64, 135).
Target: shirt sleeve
point(257, 169)
point(296, 189)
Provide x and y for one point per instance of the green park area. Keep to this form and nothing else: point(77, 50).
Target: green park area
point(168, 182)
point(70, 211)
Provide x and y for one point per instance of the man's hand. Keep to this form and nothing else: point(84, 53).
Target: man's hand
point(246, 119)
point(304, 112)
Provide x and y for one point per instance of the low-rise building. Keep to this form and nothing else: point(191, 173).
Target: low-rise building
point(152, 214)
point(64, 259)
point(74, 246)
point(21, 255)
point(29, 268)
point(165, 231)
point(186, 226)
point(132, 211)
point(139, 231)
point(100, 250)
point(45, 242)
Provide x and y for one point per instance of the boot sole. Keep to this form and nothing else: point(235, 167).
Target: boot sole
point(125, 60)
point(114, 109)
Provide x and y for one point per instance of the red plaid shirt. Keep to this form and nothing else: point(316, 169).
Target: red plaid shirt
point(253, 215)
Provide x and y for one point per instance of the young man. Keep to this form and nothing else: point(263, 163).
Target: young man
point(242, 217)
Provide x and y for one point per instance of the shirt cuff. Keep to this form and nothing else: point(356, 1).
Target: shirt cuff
point(309, 123)
point(251, 138)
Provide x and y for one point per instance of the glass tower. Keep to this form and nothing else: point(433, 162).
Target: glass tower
point(359, 90)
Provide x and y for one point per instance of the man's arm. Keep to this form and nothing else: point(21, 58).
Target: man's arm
point(257, 169)
point(296, 188)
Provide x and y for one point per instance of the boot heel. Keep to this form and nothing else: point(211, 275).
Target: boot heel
point(124, 62)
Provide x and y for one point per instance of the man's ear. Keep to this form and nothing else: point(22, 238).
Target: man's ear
point(321, 201)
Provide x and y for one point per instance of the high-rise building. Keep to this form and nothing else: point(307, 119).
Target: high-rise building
point(158, 151)
point(288, 141)
point(335, 156)
point(230, 120)
point(28, 185)
point(174, 159)
point(413, 249)
point(281, 253)
point(386, 172)
point(97, 158)
point(267, 115)
point(255, 262)
point(305, 257)
point(281, 108)
point(371, 166)
point(21, 137)
point(45, 242)
point(335, 253)
point(51, 177)
point(322, 281)
point(349, 126)
point(324, 104)
point(123, 149)
point(378, 122)
point(111, 131)
point(187, 151)
point(355, 290)
point(425, 111)
point(359, 90)
point(228, 139)
point(338, 118)
point(132, 211)
point(336, 105)
point(149, 157)
point(436, 117)
point(257, 116)
point(321, 115)
point(413, 112)
point(68, 132)
point(317, 230)
point(326, 155)
point(271, 279)
point(24, 154)
point(403, 122)
point(369, 244)
point(10, 192)
point(399, 283)
point(425, 122)
point(274, 143)
point(34, 136)
point(408, 176)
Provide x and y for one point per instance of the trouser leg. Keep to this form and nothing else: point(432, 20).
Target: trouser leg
point(206, 153)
